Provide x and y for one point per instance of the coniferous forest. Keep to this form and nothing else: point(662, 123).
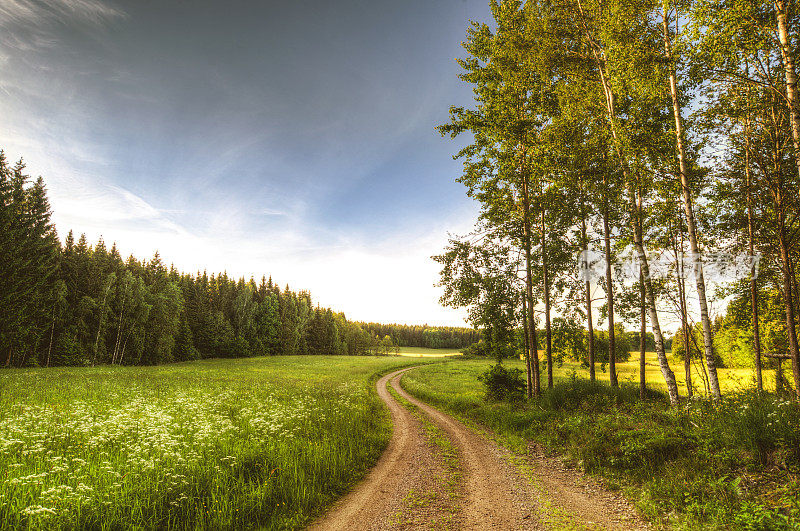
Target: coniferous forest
point(425, 336)
point(79, 303)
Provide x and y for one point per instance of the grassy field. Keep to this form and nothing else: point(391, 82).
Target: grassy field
point(262, 442)
point(729, 379)
point(732, 465)
point(422, 352)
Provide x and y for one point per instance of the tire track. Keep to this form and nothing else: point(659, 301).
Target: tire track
point(495, 492)
point(407, 468)
point(497, 496)
point(547, 496)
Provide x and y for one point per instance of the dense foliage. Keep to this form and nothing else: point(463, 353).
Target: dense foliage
point(78, 304)
point(502, 384)
point(661, 138)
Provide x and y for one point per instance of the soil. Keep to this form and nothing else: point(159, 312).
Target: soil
point(413, 487)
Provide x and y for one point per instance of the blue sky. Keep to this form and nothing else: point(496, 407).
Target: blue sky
point(288, 138)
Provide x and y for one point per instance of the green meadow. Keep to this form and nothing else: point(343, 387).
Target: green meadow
point(259, 442)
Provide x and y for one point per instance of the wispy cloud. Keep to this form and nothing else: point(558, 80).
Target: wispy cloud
point(270, 212)
point(33, 13)
point(30, 25)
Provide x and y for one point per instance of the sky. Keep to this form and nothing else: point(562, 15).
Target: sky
point(293, 139)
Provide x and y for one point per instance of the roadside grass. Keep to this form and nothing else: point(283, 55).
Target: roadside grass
point(732, 465)
point(216, 444)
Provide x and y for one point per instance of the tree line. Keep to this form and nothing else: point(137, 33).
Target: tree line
point(659, 128)
point(81, 304)
point(423, 335)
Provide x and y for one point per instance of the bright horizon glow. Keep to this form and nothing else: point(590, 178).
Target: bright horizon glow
point(390, 281)
point(293, 140)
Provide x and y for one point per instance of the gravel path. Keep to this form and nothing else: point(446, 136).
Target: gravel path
point(496, 490)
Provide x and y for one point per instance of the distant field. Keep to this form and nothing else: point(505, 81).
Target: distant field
point(730, 379)
point(421, 352)
point(220, 444)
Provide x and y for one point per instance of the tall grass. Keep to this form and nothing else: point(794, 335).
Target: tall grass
point(728, 465)
point(217, 444)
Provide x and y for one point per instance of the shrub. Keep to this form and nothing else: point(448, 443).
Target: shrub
point(475, 350)
point(502, 384)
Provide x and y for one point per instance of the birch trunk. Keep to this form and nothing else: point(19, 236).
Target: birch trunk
point(687, 358)
point(790, 75)
point(124, 344)
point(119, 331)
point(694, 247)
point(589, 324)
point(526, 229)
point(548, 331)
point(52, 332)
point(642, 338)
point(529, 381)
point(788, 297)
point(100, 325)
point(750, 246)
point(612, 347)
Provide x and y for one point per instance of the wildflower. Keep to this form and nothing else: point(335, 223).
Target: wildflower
point(37, 510)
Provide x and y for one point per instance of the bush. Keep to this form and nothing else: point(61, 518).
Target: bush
point(502, 384)
point(475, 350)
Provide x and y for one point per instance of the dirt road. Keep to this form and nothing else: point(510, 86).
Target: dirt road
point(388, 498)
point(412, 488)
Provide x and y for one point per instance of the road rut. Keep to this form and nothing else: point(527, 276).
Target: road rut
point(494, 492)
